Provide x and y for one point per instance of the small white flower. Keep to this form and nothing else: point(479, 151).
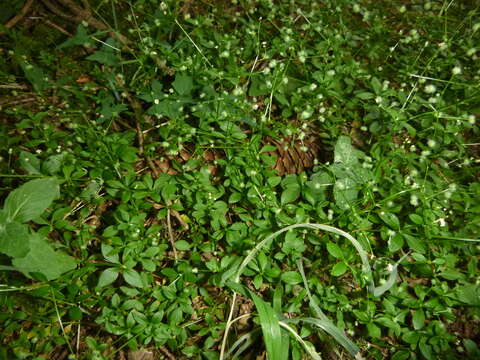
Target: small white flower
point(431, 143)
point(471, 119)
point(414, 200)
point(402, 9)
point(331, 72)
point(430, 89)
point(313, 86)
point(457, 70)
point(330, 214)
point(306, 114)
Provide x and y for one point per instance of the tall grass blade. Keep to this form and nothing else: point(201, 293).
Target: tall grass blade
point(324, 323)
point(272, 334)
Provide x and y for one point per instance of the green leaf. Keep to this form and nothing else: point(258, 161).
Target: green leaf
point(291, 277)
point(417, 219)
point(395, 243)
point(183, 84)
point(14, 238)
point(109, 254)
point(374, 330)
point(107, 277)
point(345, 193)
point(334, 250)
point(425, 348)
point(290, 194)
point(418, 319)
point(31, 199)
point(234, 198)
point(30, 163)
point(274, 180)
point(415, 243)
point(365, 95)
point(182, 245)
point(339, 269)
point(43, 259)
point(469, 294)
point(344, 152)
point(272, 333)
point(169, 192)
point(390, 219)
point(53, 163)
point(133, 278)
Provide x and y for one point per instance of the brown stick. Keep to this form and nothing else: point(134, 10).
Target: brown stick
point(13, 21)
point(14, 86)
point(59, 28)
point(167, 353)
point(56, 10)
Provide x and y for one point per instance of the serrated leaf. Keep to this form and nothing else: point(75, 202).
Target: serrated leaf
point(44, 260)
point(14, 238)
point(339, 269)
point(133, 278)
point(30, 163)
point(31, 199)
point(107, 277)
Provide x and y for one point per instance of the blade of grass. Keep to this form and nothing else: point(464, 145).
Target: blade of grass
point(324, 323)
point(272, 334)
point(242, 343)
point(366, 269)
point(308, 348)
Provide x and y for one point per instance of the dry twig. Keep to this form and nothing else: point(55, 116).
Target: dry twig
point(14, 21)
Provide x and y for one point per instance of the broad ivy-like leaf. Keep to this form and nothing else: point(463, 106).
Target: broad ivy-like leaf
point(53, 163)
point(345, 193)
point(44, 260)
point(31, 199)
point(30, 163)
point(14, 238)
point(344, 152)
point(183, 84)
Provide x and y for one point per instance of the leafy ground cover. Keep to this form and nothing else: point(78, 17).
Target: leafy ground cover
point(247, 179)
